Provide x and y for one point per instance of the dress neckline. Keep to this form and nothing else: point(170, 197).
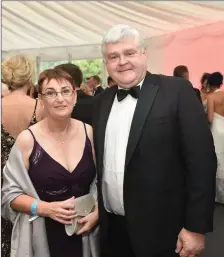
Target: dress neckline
point(70, 172)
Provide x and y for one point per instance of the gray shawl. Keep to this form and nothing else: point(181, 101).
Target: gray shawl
point(29, 238)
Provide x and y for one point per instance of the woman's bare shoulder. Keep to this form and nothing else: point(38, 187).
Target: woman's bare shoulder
point(89, 130)
point(25, 141)
point(79, 123)
point(88, 127)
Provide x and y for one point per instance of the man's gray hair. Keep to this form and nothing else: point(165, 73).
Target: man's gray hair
point(119, 32)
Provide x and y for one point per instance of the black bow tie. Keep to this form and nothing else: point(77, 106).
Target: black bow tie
point(122, 93)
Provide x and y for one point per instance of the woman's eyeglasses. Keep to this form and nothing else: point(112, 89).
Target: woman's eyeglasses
point(51, 93)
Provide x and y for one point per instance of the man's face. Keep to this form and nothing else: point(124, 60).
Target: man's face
point(87, 81)
point(125, 62)
point(112, 83)
point(92, 83)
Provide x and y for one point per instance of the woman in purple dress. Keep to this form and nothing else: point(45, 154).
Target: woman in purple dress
point(59, 158)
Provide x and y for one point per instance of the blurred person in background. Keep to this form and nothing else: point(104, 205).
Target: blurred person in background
point(215, 114)
point(110, 82)
point(33, 92)
point(19, 111)
point(5, 90)
point(85, 89)
point(216, 119)
point(216, 96)
point(83, 108)
point(181, 71)
point(204, 90)
point(94, 85)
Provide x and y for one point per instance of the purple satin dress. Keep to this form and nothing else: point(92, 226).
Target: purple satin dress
point(55, 183)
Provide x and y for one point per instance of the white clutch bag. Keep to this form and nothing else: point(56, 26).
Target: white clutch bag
point(84, 205)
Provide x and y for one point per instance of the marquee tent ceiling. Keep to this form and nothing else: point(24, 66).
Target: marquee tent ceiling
point(53, 29)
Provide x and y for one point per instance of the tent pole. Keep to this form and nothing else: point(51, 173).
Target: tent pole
point(38, 65)
point(69, 57)
point(104, 73)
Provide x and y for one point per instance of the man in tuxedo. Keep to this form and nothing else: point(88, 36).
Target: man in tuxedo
point(94, 84)
point(110, 82)
point(156, 162)
point(181, 71)
point(83, 109)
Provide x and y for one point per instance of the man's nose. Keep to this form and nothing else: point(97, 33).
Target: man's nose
point(122, 60)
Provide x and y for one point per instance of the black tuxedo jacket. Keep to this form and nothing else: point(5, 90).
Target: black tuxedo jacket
point(98, 90)
point(83, 109)
point(197, 91)
point(170, 167)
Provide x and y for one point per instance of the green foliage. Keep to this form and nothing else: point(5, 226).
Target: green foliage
point(88, 67)
point(49, 65)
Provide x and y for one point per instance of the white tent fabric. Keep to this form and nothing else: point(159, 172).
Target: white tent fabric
point(56, 30)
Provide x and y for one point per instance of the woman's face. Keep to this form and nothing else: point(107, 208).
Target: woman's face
point(204, 84)
point(58, 98)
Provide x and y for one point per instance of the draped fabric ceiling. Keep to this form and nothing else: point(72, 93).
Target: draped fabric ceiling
point(56, 30)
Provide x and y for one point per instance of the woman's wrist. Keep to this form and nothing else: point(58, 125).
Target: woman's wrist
point(43, 208)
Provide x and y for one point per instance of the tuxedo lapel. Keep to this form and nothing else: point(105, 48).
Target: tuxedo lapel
point(105, 109)
point(146, 98)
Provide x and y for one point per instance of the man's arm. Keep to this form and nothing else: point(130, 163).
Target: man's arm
point(200, 159)
point(197, 91)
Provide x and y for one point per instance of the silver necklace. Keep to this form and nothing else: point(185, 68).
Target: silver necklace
point(62, 142)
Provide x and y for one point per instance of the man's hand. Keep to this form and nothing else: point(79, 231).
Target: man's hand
point(190, 244)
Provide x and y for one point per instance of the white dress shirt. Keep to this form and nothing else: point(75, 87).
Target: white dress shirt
point(116, 139)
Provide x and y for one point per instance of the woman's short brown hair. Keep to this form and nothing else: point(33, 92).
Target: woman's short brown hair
point(58, 74)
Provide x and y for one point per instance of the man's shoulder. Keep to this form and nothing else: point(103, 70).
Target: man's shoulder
point(171, 82)
point(171, 79)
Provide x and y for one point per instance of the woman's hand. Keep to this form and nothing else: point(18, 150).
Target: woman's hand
point(88, 222)
point(62, 211)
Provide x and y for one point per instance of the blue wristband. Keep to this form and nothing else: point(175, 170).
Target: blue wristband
point(34, 207)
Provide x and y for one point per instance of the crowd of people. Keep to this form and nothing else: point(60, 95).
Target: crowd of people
point(148, 147)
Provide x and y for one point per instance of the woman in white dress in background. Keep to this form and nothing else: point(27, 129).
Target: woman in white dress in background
point(216, 119)
point(204, 90)
point(215, 112)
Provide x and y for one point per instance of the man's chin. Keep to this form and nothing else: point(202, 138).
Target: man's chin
point(127, 83)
